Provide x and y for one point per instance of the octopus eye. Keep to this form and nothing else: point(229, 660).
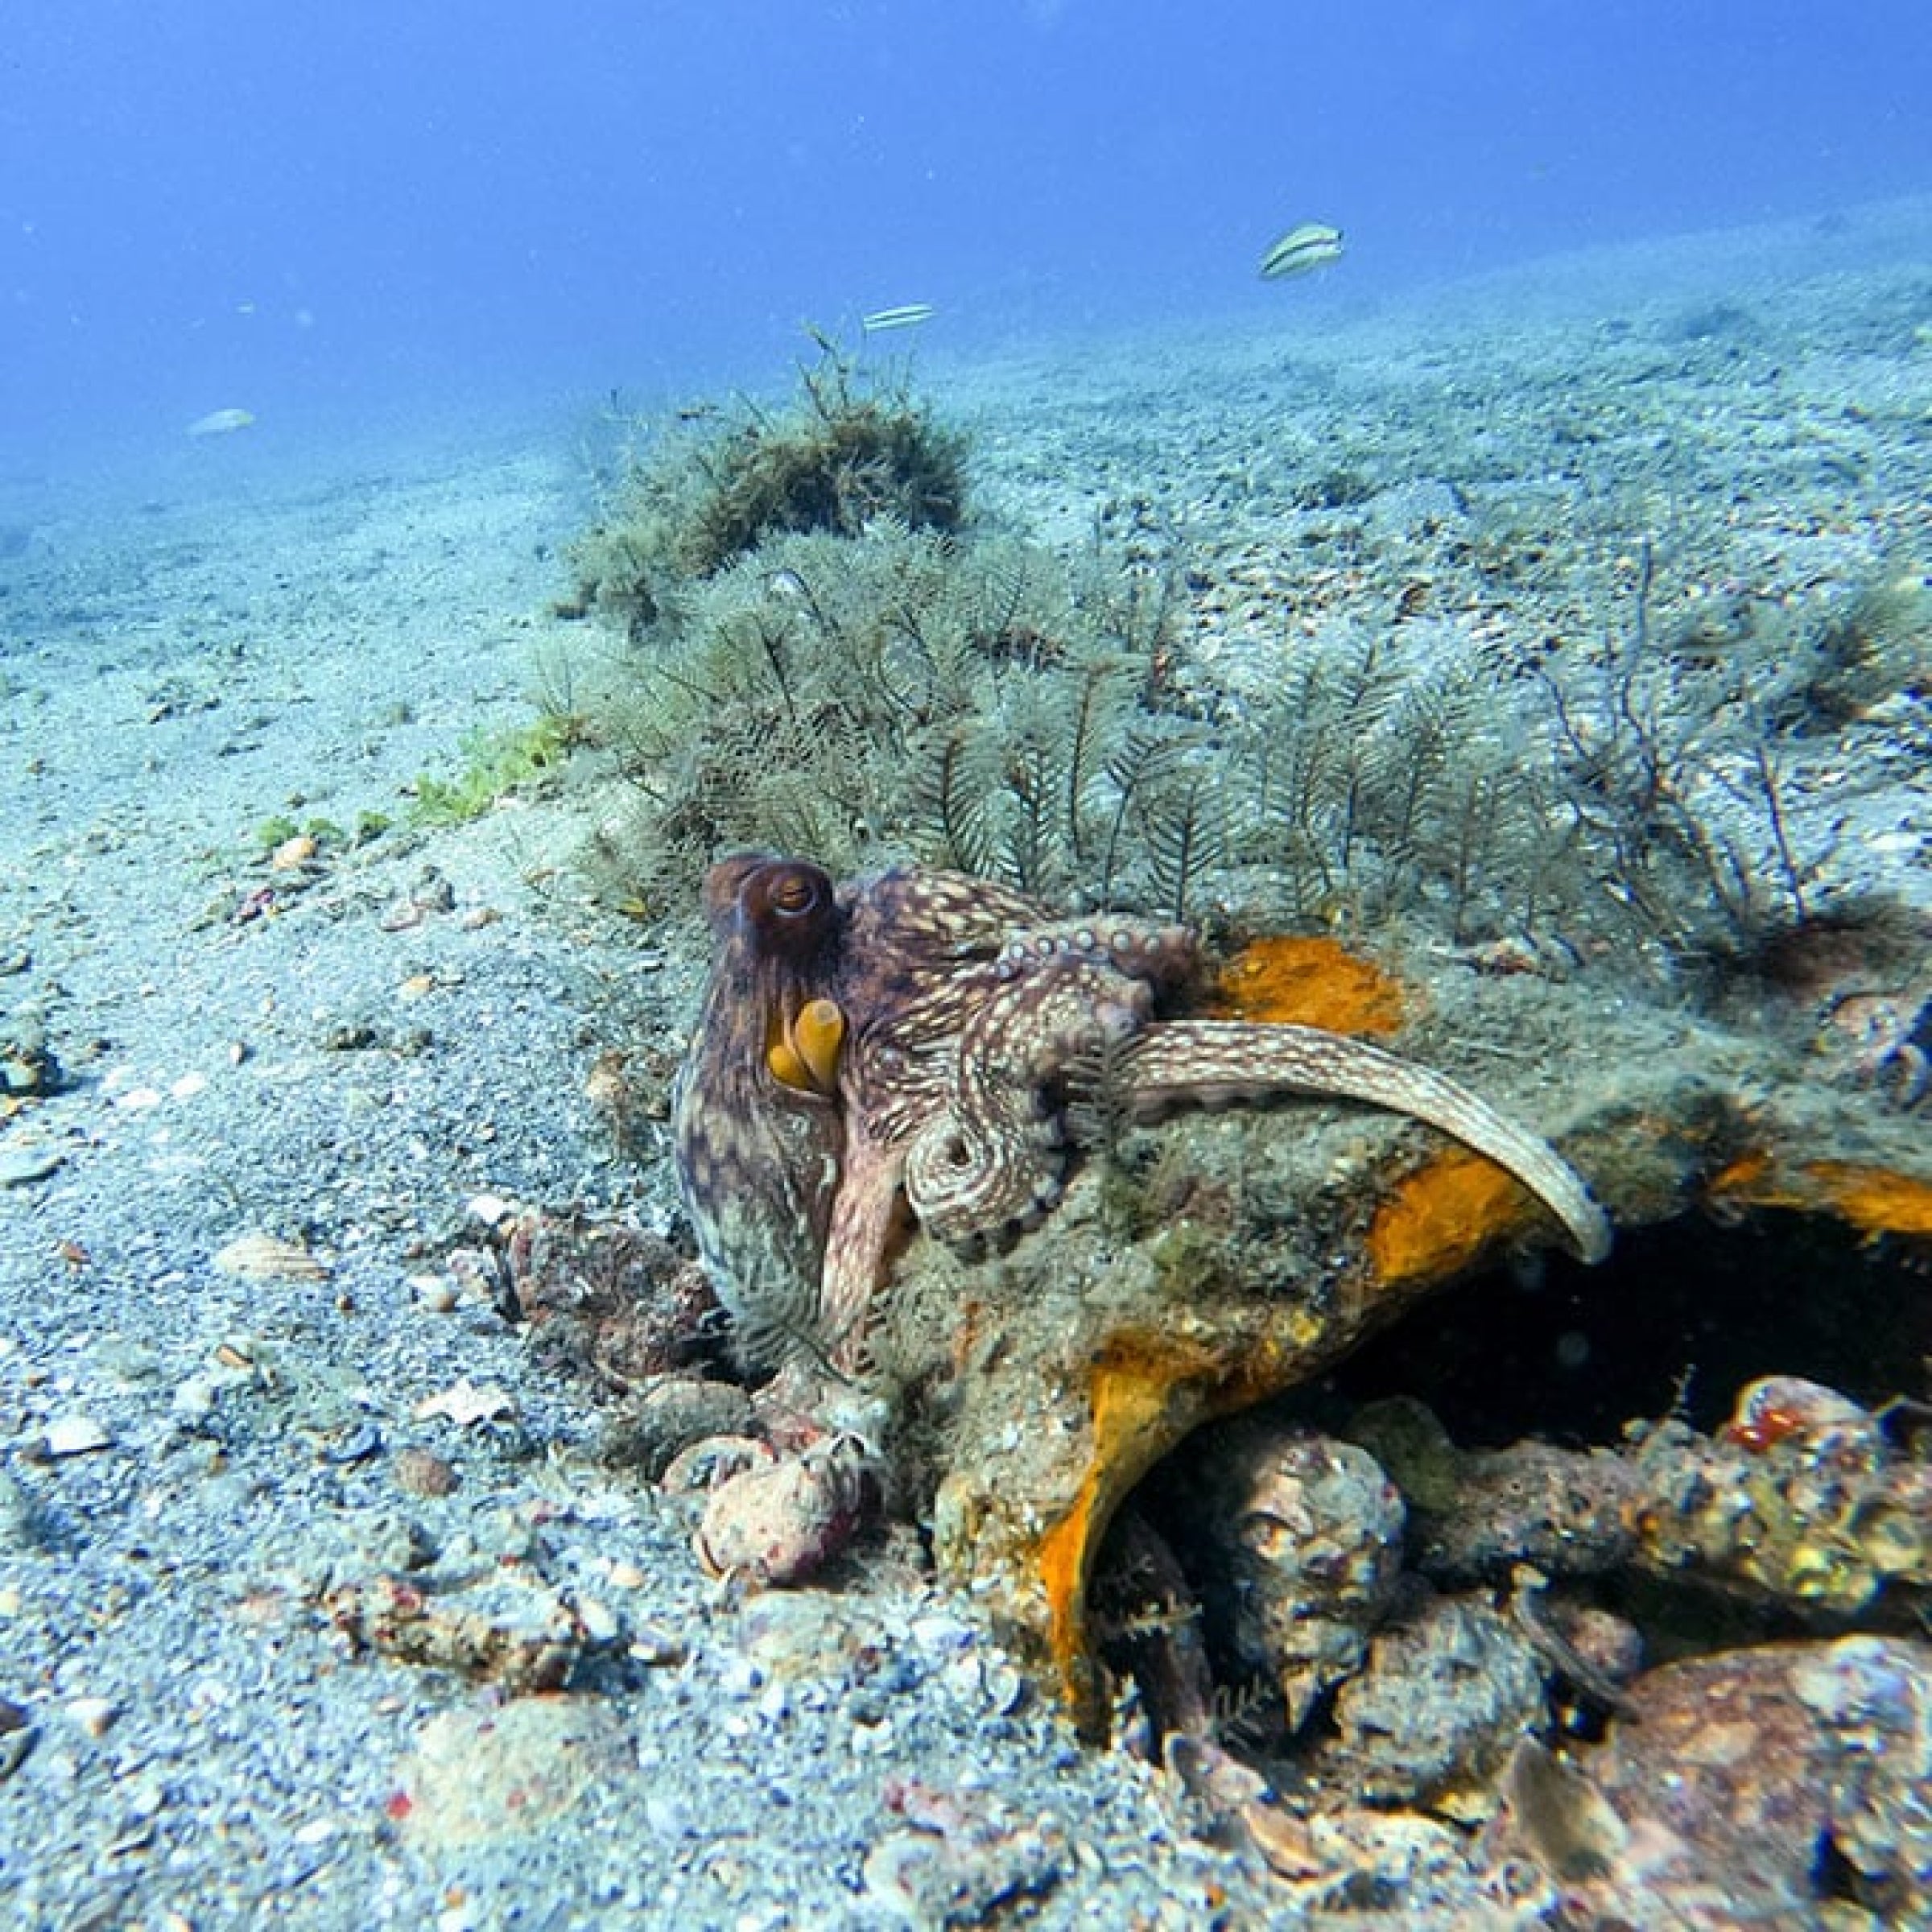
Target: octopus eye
point(787, 905)
point(794, 894)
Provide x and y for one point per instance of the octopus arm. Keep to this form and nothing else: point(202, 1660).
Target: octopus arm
point(864, 1219)
point(1205, 1061)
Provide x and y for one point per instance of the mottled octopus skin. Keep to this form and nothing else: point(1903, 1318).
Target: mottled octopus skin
point(971, 1017)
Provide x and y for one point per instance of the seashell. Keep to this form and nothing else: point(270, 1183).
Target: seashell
point(258, 1256)
point(781, 1524)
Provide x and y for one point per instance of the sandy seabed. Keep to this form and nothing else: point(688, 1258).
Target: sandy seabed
point(206, 1446)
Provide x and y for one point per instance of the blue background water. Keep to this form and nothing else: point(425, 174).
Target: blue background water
point(321, 209)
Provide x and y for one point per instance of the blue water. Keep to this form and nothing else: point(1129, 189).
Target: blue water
point(323, 210)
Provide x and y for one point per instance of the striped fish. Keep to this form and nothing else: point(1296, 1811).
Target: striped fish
point(908, 314)
point(1311, 245)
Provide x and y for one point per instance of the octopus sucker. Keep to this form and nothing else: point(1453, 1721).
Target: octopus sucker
point(912, 1039)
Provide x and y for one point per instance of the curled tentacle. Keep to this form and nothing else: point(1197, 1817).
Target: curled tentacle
point(1202, 1063)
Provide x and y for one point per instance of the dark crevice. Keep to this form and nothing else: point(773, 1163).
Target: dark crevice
point(1678, 1319)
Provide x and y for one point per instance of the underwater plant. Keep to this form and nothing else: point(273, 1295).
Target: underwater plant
point(852, 448)
point(979, 704)
point(822, 655)
point(495, 763)
point(1679, 768)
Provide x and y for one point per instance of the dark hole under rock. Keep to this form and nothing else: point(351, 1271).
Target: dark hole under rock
point(1681, 1317)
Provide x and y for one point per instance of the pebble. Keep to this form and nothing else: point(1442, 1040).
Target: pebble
point(95, 1715)
point(22, 1166)
point(75, 1435)
point(423, 1472)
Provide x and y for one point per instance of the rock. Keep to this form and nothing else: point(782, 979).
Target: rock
point(1798, 1501)
point(1805, 1505)
point(481, 1777)
point(1447, 1690)
point(1474, 1513)
point(1760, 1786)
point(959, 1858)
point(513, 1630)
point(27, 1066)
point(783, 1522)
point(1293, 1541)
point(423, 1472)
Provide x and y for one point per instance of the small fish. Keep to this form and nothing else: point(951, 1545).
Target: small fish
point(908, 314)
point(220, 422)
point(1311, 245)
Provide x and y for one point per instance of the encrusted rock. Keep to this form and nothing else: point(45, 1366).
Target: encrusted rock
point(958, 1857)
point(1798, 1501)
point(518, 1632)
point(1447, 1690)
point(1766, 1786)
point(1474, 1513)
point(1293, 1541)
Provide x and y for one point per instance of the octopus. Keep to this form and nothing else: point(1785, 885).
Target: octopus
point(920, 1041)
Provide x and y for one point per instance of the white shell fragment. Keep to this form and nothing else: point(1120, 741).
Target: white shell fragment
point(466, 1404)
point(75, 1435)
point(256, 1256)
